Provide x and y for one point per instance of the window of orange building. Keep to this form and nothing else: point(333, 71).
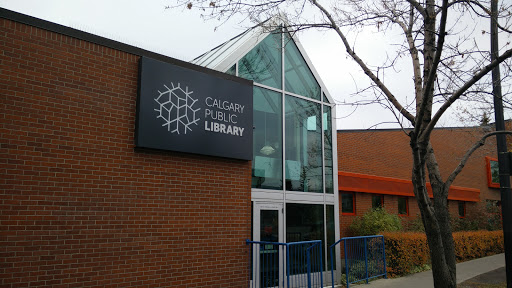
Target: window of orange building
point(348, 203)
point(462, 209)
point(377, 201)
point(403, 206)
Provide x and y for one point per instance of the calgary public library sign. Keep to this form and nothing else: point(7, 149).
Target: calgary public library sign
point(194, 111)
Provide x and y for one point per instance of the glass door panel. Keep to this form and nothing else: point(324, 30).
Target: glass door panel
point(268, 257)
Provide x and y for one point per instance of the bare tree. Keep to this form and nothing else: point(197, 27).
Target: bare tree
point(447, 66)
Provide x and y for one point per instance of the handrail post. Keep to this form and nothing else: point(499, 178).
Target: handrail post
point(332, 266)
point(308, 261)
point(321, 262)
point(366, 258)
point(346, 261)
point(287, 265)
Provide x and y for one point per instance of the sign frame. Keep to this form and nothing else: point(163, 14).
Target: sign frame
point(193, 110)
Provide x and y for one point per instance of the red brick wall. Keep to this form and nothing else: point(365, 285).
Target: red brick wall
point(387, 153)
point(79, 205)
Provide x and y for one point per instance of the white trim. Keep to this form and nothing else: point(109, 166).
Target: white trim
point(330, 198)
point(224, 56)
point(267, 195)
point(286, 93)
point(305, 197)
point(336, 194)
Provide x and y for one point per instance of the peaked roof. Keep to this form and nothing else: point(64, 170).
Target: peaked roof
point(224, 56)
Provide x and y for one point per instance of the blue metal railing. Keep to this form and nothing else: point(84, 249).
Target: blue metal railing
point(296, 264)
point(365, 258)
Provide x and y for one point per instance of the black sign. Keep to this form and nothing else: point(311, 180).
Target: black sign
point(185, 110)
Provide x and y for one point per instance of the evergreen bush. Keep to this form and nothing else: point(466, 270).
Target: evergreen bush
point(374, 222)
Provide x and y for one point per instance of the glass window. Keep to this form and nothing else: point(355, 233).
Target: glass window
point(303, 168)
point(329, 184)
point(495, 174)
point(298, 77)
point(347, 203)
point(325, 99)
point(269, 232)
point(304, 222)
point(403, 206)
point(331, 238)
point(263, 63)
point(267, 164)
point(462, 209)
point(377, 201)
point(232, 70)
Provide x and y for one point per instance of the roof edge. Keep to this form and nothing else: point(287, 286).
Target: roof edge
point(106, 42)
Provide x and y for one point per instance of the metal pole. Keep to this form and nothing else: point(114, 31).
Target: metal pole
point(366, 258)
point(288, 265)
point(346, 262)
point(503, 159)
point(332, 265)
point(309, 267)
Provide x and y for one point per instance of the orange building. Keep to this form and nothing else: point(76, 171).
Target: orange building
point(375, 170)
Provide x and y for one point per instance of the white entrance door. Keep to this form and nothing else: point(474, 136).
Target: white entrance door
point(268, 259)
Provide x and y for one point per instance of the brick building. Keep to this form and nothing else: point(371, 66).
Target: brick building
point(375, 169)
point(84, 200)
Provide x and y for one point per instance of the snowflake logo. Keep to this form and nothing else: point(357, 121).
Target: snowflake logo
point(175, 108)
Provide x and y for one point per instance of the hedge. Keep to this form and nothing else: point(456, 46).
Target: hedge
point(407, 251)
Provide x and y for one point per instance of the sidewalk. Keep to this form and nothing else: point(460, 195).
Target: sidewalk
point(465, 271)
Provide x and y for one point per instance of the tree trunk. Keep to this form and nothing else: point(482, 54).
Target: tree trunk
point(436, 217)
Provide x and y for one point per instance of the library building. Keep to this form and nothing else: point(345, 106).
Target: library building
point(121, 167)
point(126, 168)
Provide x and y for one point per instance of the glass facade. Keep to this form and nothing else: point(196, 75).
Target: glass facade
point(331, 236)
point(292, 141)
point(303, 140)
point(232, 70)
point(267, 163)
point(329, 180)
point(298, 77)
point(304, 222)
point(305, 124)
point(263, 63)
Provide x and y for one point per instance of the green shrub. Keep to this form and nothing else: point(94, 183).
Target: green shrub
point(374, 222)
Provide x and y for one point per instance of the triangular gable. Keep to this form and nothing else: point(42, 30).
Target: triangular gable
point(224, 58)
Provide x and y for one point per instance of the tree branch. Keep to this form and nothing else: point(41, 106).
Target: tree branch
point(418, 7)
point(365, 68)
point(487, 11)
point(456, 95)
point(468, 154)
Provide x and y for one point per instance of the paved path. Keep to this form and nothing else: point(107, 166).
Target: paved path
point(465, 271)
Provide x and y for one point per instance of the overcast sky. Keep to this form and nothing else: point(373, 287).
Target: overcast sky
point(182, 34)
